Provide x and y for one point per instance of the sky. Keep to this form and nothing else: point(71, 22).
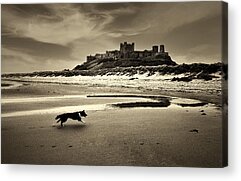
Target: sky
point(38, 37)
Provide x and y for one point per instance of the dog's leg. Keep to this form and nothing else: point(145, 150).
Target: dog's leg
point(63, 120)
point(81, 120)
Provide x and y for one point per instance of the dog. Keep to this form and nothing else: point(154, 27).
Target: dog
point(75, 116)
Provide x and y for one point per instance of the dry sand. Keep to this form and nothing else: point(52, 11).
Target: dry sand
point(128, 136)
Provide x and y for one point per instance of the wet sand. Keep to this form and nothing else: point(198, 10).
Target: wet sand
point(148, 136)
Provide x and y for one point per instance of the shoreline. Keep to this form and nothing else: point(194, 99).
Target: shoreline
point(210, 98)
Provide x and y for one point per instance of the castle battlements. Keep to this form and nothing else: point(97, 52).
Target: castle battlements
point(127, 51)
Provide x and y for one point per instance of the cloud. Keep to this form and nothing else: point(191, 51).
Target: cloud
point(36, 48)
point(67, 33)
point(198, 41)
point(62, 25)
point(16, 61)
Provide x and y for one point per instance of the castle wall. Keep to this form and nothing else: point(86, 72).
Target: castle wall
point(127, 50)
point(90, 58)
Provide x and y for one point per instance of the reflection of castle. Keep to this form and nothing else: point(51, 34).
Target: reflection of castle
point(127, 51)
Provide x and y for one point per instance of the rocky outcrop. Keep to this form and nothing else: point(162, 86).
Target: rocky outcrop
point(111, 63)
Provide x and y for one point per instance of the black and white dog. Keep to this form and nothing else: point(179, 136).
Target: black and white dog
point(75, 116)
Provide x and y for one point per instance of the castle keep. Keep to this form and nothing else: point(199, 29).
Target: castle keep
point(127, 51)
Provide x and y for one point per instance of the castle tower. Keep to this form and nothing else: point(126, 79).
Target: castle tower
point(154, 49)
point(162, 49)
point(126, 49)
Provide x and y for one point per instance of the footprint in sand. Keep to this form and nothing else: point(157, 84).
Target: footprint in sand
point(194, 131)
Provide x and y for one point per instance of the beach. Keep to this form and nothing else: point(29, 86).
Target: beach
point(180, 134)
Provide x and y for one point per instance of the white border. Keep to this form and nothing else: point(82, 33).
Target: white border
point(233, 172)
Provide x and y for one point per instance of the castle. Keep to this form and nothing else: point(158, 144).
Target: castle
point(127, 51)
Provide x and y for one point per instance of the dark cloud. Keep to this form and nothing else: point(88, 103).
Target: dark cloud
point(58, 36)
point(111, 6)
point(36, 48)
point(13, 63)
point(104, 7)
point(203, 31)
point(199, 38)
point(42, 11)
point(28, 10)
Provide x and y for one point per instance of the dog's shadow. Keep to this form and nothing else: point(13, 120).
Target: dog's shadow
point(72, 127)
